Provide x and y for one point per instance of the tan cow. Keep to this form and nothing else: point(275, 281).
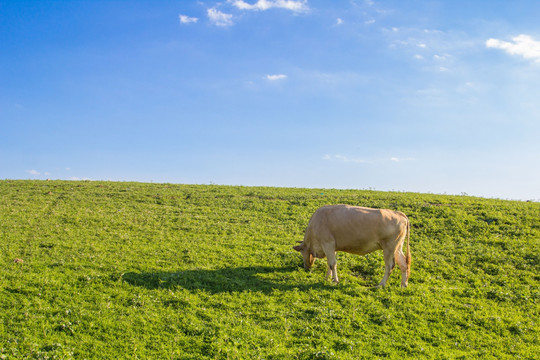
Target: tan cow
point(357, 230)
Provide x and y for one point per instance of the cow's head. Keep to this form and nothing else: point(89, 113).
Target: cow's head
point(309, 259)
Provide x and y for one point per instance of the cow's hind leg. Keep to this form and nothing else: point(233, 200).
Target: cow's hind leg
point(402, 262)
point(388, 266)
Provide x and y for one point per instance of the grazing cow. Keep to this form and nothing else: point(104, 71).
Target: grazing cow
point(357, 230)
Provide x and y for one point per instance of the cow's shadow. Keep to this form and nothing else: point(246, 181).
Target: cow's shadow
point(250, 278)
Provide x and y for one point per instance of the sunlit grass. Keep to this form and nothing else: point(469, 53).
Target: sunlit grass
point(132, 270)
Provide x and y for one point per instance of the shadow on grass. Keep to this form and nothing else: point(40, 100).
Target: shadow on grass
point(252, 278)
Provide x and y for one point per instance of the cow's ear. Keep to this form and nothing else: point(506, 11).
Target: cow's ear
point(298, 247)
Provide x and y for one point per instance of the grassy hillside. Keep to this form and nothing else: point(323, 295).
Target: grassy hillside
point(131, 270)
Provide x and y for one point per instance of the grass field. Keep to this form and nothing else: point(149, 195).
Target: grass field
point(159, 271)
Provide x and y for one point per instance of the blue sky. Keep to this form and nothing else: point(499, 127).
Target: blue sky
point(423, 96)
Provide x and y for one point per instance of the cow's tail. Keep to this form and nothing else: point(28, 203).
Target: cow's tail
point(408, 258)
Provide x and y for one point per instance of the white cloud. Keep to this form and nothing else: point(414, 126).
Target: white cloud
point(339, 21)
point(33, 172)
point(262, 5)
point(219, 18)
point(276, 77)
point(184, 19)
point(522, 45)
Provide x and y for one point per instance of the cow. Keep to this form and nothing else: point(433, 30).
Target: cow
point(357, 230)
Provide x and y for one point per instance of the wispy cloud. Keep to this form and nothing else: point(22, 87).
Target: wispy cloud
point(397, 159)
point(33, 172)
point(219, 18)
point(444, 57)
point(522, 45)
point(432, 50)
point(343, 158)
point(357, 160)
point(276, 77)
point(262, 5)
point(184, 19)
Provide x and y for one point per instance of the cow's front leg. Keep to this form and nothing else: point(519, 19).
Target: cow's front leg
point(332, 266)
point(329, 249)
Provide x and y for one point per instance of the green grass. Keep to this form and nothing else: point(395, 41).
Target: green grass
point(161, 271)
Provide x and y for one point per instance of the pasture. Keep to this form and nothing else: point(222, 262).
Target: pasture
point(117, 270)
